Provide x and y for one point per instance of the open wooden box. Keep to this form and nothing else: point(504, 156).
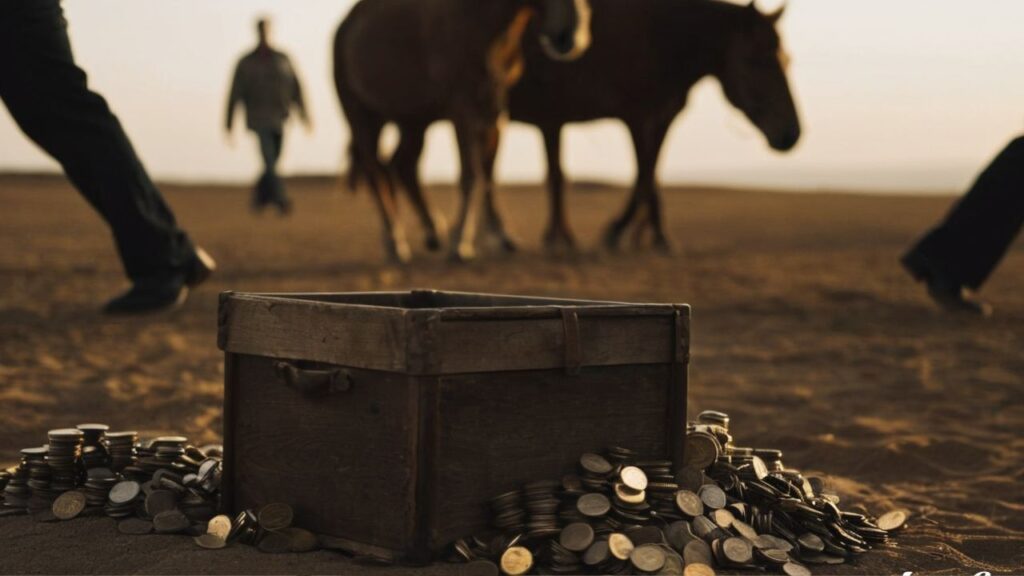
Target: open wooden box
point(387, 420)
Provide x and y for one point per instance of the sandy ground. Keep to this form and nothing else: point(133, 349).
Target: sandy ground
point(805, 330)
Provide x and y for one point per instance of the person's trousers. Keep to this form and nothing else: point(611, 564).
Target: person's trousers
point(270, 188)
point(981, 227)
point(48, 96)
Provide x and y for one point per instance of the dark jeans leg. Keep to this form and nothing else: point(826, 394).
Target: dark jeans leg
point(270, 188)
point(980, 228)
point(49, 98)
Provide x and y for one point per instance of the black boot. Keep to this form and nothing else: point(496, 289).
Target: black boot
point(163, 291)
point(944, 289)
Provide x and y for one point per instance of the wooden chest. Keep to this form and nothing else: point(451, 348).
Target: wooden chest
point(387, 420)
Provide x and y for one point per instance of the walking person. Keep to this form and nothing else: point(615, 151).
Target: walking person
point(956, 258)
point(49, 98)
point(266, 84)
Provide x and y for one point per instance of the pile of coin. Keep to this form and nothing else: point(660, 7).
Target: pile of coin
point(163, 485)
point(726, 507)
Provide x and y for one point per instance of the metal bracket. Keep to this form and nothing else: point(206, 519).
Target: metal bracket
point(573, 353)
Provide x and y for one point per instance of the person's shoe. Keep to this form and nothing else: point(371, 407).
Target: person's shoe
point(942, 288)
point(164, 291)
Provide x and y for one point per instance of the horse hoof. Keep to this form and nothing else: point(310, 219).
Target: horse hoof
point(433, 244)
point(462, 253)
point(400, 254)
point(559, 242)
point(509, 245)
point(611, 240)
point(664, 246)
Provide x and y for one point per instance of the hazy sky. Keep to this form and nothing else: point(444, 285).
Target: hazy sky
point(895, 94)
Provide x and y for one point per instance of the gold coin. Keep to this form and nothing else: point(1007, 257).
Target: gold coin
point(620, 546)
point(210, 541)
point(891, 521)
point(633, 477)
point(219, 526)
point(516, 560)
point(698, 569)
point(628, 495)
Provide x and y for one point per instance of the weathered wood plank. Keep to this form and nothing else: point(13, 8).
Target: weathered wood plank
point(347, 335)
point(538, 344)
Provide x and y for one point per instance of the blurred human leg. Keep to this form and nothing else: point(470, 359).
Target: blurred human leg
point(967, 246)
point(49, 98)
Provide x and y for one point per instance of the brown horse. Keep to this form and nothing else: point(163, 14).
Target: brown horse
point(413, 62)
point(646, 56)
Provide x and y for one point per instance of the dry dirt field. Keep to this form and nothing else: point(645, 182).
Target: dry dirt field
point(806, 331)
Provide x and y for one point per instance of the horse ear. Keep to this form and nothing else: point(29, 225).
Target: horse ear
point(774, 17)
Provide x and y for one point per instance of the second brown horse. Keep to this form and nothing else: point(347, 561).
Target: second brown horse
point(645, 58)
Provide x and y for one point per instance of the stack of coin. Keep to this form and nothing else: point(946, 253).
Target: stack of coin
point(167, 449)
point(94, 453)
point(507, 512)
point(5, 477)
point(63, 457)
point(17, 492)
point(98, 483)
point(39, 474)
point(121, 448)
point(560, 560)
point(542, 508)
point(122, 500)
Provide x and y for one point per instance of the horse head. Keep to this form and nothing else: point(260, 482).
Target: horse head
point(564, 27)
point(753, 77)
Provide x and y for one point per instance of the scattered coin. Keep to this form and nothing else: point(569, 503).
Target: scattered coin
point(737, 551)
point(68, 505)
point(275, 516)
point(160, 501)
point(620, 546)
point(597, 553)
point(595, 464)
point(593, 505)
point(647, 558)
point(697, 552)
point(712, 496)
point(629, 495)
point(210, 541)
point(701, 450)
point(516, 560)
point(170, 522)
point(689, 503)
point(219, 526)
point(577, 537)
point(892, 521)
point(794, 569)
point(811, 542)
point(634, 478)
point(698, 569)
point(125, 492)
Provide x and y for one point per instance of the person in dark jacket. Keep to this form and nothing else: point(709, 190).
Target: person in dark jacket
point(956, 258)
point(266, 83)
point(49, 98)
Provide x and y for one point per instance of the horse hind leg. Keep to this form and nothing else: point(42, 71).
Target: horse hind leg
point(366, 131)
point(405, 164)
point(558, 235)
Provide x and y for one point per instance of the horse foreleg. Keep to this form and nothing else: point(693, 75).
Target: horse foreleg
point(472, 142)
point(495, 222)
point(558, 234)
point(405, 163)
point(647, 140)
